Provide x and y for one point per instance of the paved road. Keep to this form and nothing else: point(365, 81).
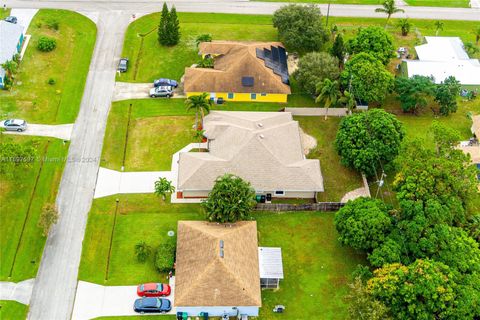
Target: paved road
point(56, 282)
point(241, 6)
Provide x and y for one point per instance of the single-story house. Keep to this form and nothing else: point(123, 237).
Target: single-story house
point(243, 71)
point(442, 57)
point(263, 148)
point(11, 36)
point(216, 269)
point(472, 147)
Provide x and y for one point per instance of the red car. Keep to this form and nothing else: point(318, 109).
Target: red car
point(153, 290)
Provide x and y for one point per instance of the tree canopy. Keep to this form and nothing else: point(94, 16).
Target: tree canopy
point(313, 68)
point(230, 200)
point(364, 140)
point(367, 78)
point(363, 223)
point(169, 27)
point(300, 27)
point(446, 94)
point(415, 92)
point(14, 155)
point(375, 41)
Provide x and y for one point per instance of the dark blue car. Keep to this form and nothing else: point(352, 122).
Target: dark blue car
point(152, 305)
point(165, 82)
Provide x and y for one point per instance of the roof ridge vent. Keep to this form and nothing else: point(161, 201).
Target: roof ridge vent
point(260, 125)
point(261, 136)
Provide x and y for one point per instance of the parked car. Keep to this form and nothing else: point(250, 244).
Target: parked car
point(164, 91)
point(11, 19)
point(152, 305)
point(15, 125)
point(153, 290)
point(123, 65)
point(165, 82)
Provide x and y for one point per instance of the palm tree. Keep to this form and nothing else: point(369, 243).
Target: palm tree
point(200, 103)
point(404, 26)
point(328, 94)
point(10, 67)
point(348, 100)
point(438, 27)
point(389, 8)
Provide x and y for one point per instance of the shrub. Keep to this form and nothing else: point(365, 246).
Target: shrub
point(206, 62)
point(206, 37)
point(142, 251)
point(51, 81)
point(53, 24)
point(165, 256)
point(46, 44)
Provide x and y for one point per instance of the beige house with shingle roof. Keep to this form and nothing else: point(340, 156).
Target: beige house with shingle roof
point(263, 148)
point(217, 269)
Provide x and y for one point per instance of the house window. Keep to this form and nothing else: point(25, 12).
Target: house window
point(253, 96)
point(263, 94)
point(230, 95)
point(279, 193)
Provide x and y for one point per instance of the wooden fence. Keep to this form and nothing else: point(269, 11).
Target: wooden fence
point(319, 206)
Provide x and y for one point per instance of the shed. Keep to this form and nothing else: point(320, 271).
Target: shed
point(270, 266)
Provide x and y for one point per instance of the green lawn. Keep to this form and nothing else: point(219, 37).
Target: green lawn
point(333, 2)
point(4, 13)
point(12, 310)
point(441, 3)
point(31, 97)
point(18, 227)
point(337, 179)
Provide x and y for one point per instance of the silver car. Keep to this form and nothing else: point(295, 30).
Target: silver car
point(15, 125)
point(162, 91)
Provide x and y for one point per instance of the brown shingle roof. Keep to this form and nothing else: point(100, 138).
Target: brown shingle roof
point(203, 278)
point(235, 60)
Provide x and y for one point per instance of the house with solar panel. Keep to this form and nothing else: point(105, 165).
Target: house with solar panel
point(11, 36)
point(242, 71)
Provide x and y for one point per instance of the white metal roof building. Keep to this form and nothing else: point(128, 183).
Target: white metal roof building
point(442, 57)
point(270, 265)
point(11, 39)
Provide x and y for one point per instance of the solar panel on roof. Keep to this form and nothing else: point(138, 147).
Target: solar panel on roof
point(260, 54)
point(247, 81)
point(275, 56)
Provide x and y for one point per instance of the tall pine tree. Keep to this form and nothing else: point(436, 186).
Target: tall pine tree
point(338, 49)
point(162, 27)
point(173, 28)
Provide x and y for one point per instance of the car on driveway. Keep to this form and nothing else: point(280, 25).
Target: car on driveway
point(164, 91)
point(11, 19)
point(153, 290)
point(15, 125)
point(165, 82)
point(123, 65)
point(152, 305)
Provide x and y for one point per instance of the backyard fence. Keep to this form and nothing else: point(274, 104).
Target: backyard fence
point(319, 206)
point(316, 112)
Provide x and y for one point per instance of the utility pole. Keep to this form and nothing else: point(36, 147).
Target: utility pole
point(328, 14)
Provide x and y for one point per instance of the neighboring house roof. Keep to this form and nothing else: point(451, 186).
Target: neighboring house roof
point(476, 126)
point(270, 263)
point(10, 33)
point(263, 148)
point(237, 64)
point(442, 57)
point(204, 278)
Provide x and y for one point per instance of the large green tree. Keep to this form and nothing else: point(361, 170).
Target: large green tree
point(362, 306)
point(338, 49)
point(446, 95)
point(162, 26)
point(300, 27)
point(374, 41)
point(363, 223)
point(415, 92)
point(313, 68)
point(366, 77)
point(367, 140)
point(423, 290)
point(230, 200)
point(169, 27)
point(13, 155)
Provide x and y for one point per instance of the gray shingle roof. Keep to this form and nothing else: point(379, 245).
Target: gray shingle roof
point(263, 148)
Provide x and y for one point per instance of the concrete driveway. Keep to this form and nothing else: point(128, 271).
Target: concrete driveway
point(20, 292)
point(128, 90)
point(24, 17)
point(61, 131)
point(112, 182)
point(93, 300)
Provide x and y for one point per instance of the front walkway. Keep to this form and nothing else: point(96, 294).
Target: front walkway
point(110, 182)
point(61, 131)
point(20, 292)
point(93, 300)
